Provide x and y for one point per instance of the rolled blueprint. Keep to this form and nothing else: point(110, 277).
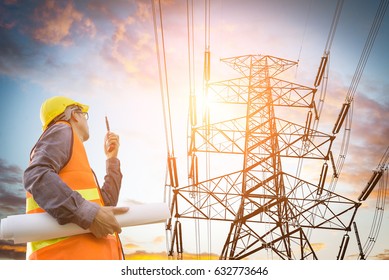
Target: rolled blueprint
point(41, 226)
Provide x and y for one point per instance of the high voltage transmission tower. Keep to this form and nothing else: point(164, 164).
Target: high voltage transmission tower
point(267, 203)
point(275, 196)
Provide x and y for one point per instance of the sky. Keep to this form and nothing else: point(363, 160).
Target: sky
point(103, 53)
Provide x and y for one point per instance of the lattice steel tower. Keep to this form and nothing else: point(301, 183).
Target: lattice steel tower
point(268, 205)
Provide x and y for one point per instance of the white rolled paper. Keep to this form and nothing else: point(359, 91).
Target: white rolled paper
point(41, 226)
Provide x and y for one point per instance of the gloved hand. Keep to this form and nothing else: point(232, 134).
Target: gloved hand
point(105, 222)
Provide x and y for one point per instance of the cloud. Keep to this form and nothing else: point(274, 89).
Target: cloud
point(12, 194)
point(116, 40)
point(144, 255)
point(318, 246)
point(55, 22)
point(10, 251)
point(10, 2)
point(6, 22)
point(120, 38)
point(23, 48)
point(131, 246)
point(129, 51)
point(10, 174)
point(143, 11)
point(382, 256)
point(368, 136)
point(11, 202)
point(368, 142)
point(159, 239)
point(14, 57)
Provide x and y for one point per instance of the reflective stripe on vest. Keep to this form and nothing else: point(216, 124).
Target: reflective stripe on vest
point(78, 175)
point(88, 194)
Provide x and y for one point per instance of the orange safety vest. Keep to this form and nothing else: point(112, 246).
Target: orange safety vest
point(78, 175)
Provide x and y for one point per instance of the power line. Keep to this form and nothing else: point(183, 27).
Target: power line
point(382, 171)
point(305, 30)
point(171, 180)
point(163, 78)
point(322, 74)
point(334, 24)
point(367, 49)
point(346, 113)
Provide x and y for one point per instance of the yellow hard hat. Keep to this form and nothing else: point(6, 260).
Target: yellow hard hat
point(55, 106)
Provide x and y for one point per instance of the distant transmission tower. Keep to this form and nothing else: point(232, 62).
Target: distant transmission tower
point(266, 202)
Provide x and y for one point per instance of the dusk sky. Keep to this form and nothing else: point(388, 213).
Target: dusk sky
point(102, 53)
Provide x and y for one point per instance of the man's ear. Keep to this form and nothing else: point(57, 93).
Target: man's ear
point(73, 117)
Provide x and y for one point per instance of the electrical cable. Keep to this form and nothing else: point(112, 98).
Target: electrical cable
point(354, 85)
point(323, 90)
point(165, 97)
point(206, 117)
point(305, 30)
point(323, 74)
point(377, 220)
point(192, 119)
point(367, 48)
point(163, 79)
point(380, 205)
point(334, 25)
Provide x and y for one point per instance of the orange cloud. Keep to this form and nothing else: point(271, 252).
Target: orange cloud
point(10, 251)
point(121, 38)
point(367, 143)
point(130, 49)
point(130, 246)
point(15, 248)
point(143, 255)
point(318, 246)
point(159, 239)
point(56, 21)
point(382, 256)
point(121, 29)
point(143, 11)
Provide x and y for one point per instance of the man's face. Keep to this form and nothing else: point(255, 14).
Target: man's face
point(82, 123)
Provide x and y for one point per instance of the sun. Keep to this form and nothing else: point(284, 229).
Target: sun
point(207, 108)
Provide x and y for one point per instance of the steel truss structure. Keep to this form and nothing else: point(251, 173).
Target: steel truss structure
point(268, 206)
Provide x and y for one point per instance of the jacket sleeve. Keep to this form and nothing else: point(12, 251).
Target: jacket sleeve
point(112, 182)
point(41, 179)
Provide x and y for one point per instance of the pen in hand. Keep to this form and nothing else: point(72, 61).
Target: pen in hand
point(110, 148)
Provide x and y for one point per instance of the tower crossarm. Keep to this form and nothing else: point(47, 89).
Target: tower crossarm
point(229, 137)
point(247, 64)
point(284, 93)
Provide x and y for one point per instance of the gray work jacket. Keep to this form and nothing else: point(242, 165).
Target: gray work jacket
point(41, 179)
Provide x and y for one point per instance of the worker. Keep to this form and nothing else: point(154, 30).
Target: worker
point(60, 181)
